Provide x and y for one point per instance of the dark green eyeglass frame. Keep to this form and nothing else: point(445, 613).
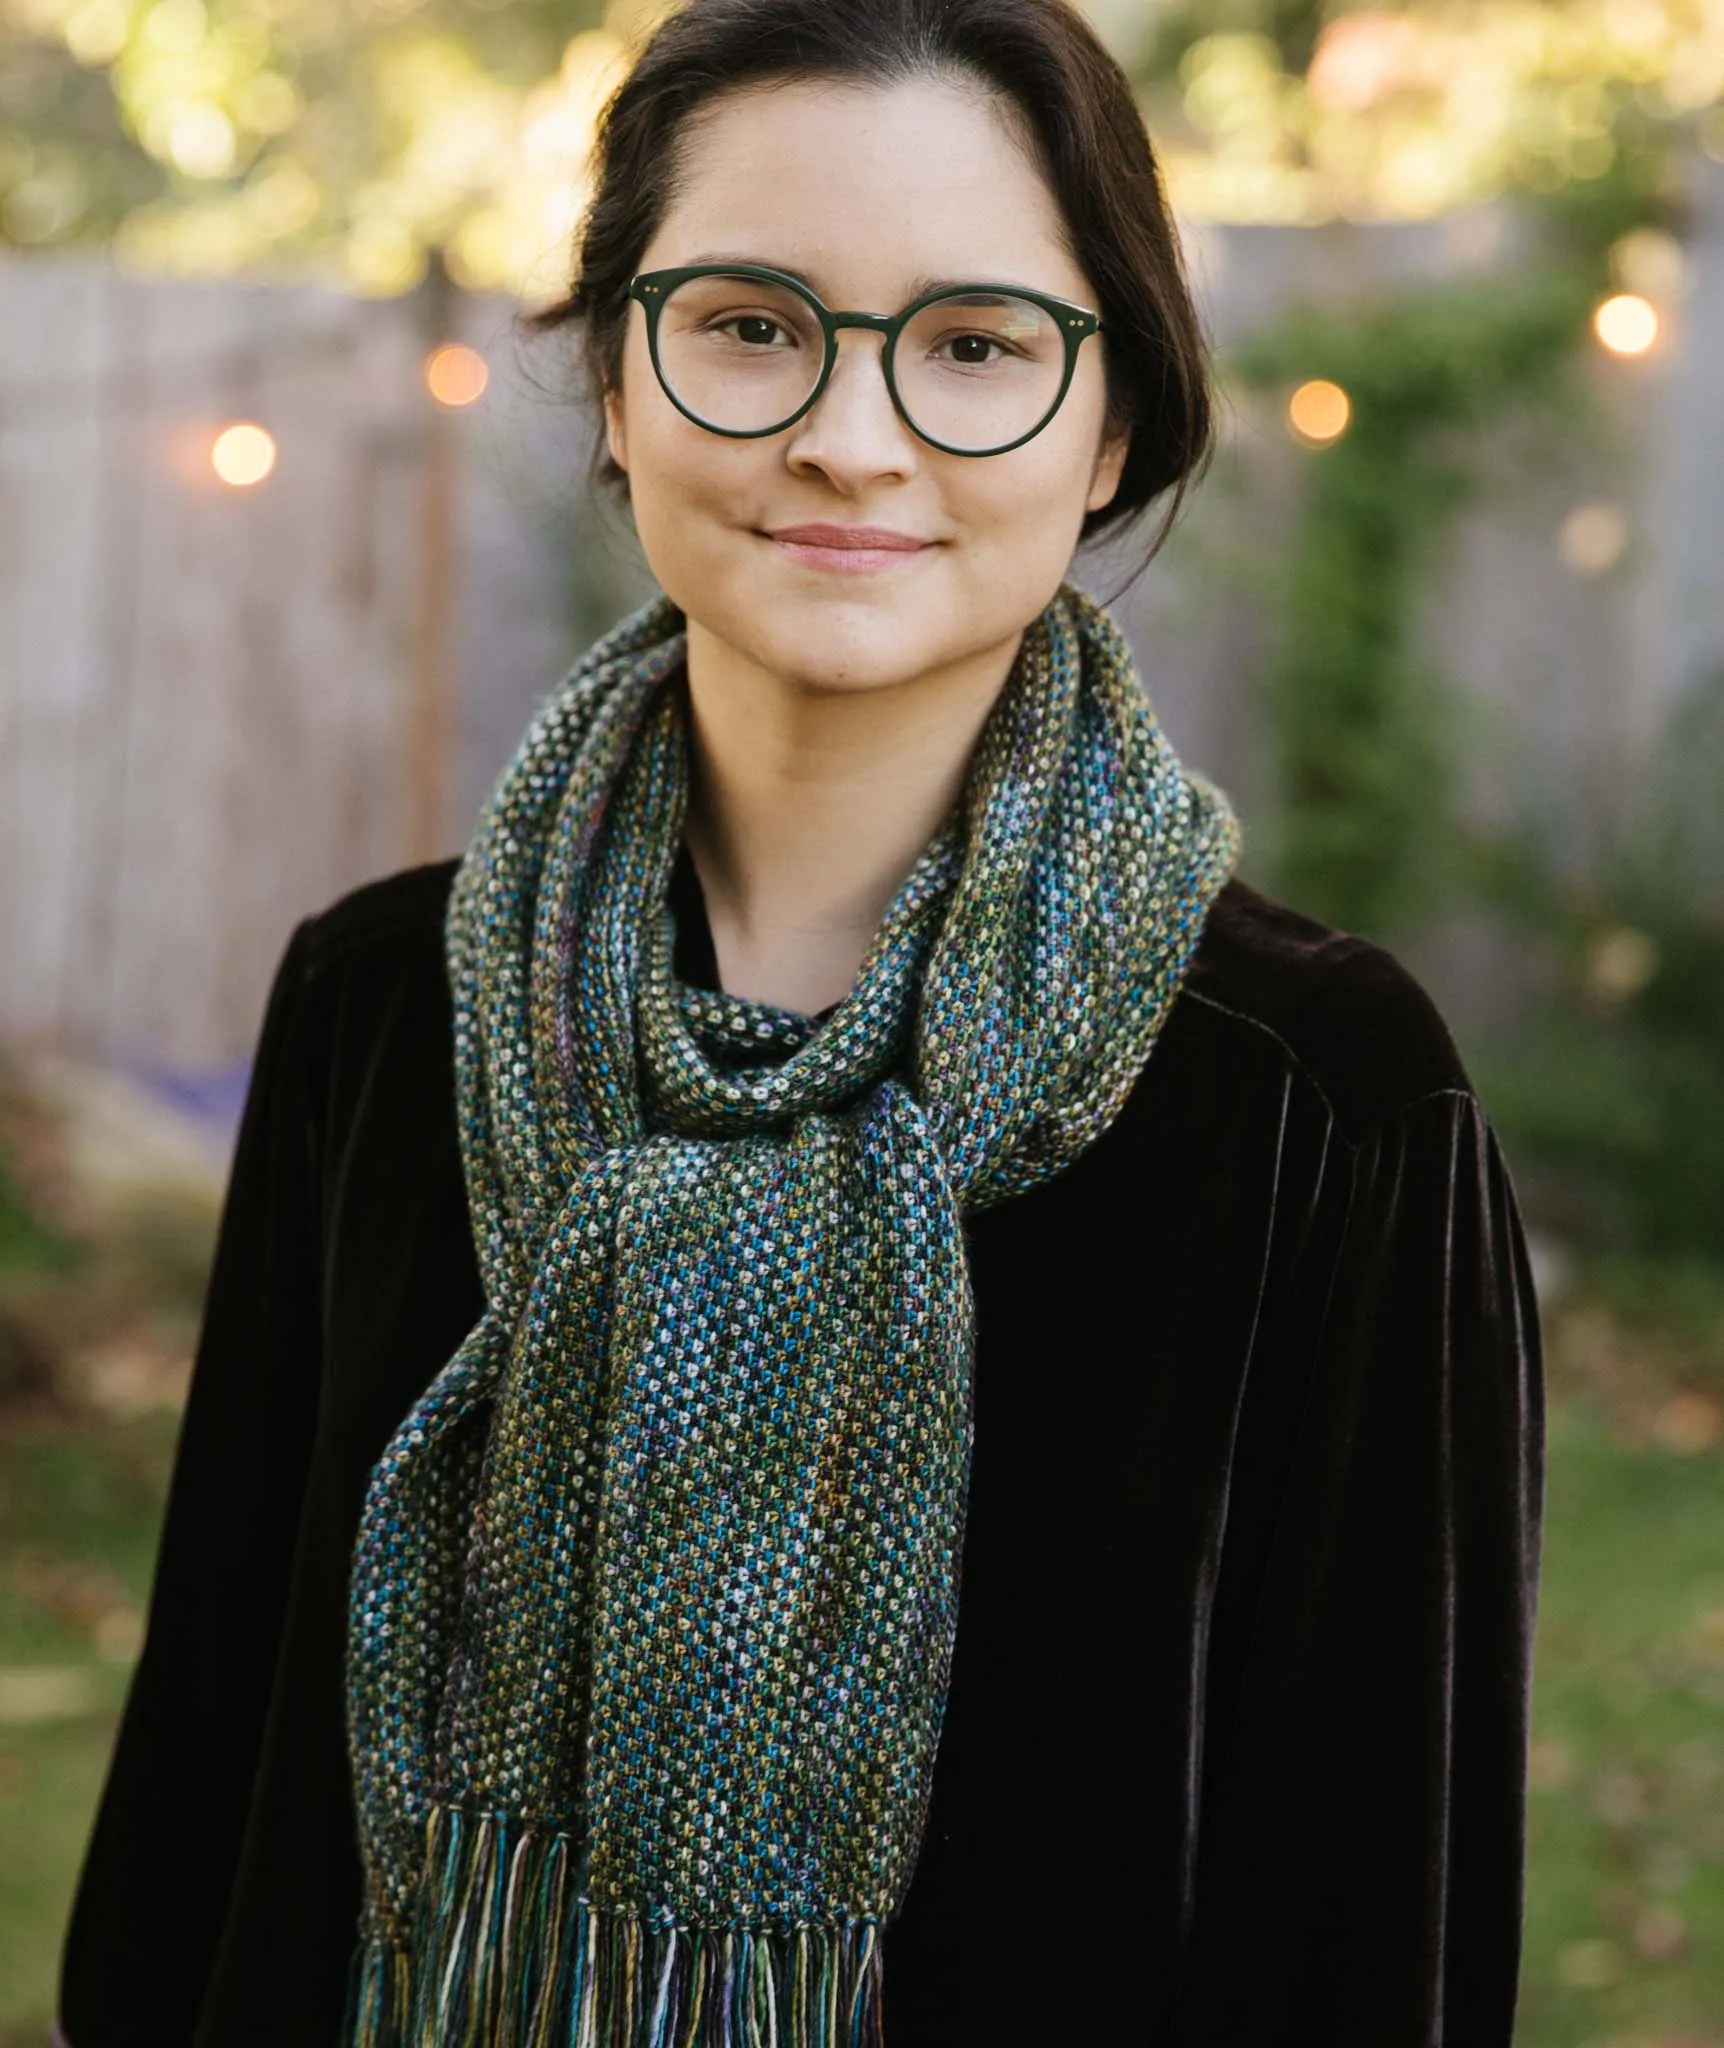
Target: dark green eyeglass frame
point(652, 287)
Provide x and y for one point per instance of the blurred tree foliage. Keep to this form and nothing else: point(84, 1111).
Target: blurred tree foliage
point(1293, 110)
point(280, 135)
point(348, 137)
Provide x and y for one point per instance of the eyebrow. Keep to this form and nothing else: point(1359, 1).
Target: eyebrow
point(918, 285)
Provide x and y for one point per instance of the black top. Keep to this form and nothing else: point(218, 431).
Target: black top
point(1236, 1738)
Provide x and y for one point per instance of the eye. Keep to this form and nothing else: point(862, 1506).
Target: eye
point(969, 350)
point(962, 341)
point(759, 327)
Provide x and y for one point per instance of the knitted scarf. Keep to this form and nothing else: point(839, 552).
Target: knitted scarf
point(653, 1598)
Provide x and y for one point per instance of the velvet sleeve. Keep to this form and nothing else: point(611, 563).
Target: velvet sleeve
point(158, 1869)
point(1360, 1867)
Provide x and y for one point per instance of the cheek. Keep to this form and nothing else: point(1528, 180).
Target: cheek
point(1036, 497)
point(1033, 505)
point(690, 495)
point(689, 484)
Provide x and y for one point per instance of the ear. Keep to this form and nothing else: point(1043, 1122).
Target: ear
point(615, 438)
point(1109, 463)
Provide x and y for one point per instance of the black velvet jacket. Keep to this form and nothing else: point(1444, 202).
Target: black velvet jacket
point(1235, 1744)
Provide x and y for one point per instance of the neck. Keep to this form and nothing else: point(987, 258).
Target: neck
point(808, 807)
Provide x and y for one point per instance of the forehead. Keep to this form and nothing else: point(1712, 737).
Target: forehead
point(866, 191)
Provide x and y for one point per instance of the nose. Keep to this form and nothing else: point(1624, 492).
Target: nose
point(853, 430)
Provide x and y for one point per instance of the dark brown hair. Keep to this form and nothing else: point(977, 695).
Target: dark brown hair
point(1075, 103)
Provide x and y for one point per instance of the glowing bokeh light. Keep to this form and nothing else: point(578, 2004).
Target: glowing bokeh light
point(1593, 539)
point(1627, 324)
point(243, 454)
point(456, 374)
point(1620, 961)
point(1319, 410)
point(1650, 263)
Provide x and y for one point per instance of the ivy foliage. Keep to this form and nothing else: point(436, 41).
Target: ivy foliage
point(1367, 743)
point(1364, 737)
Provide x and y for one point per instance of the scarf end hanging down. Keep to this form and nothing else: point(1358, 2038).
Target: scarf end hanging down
point(507, 1955)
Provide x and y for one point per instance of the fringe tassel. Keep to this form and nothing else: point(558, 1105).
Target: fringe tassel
point(507, 1955)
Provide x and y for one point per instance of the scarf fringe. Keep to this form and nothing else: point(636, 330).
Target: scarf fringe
point(508, 1955)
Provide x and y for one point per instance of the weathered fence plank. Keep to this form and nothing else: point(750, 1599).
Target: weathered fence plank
point(213, 701)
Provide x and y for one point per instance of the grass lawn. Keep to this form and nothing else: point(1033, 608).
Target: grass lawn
point(1625, 1895)
point(1625, 1892)
point(79, 1503)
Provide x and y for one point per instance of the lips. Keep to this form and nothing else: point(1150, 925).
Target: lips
point(852, 539)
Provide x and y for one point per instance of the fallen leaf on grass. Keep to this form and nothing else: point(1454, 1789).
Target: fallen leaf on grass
point(32, 1694)
point(1688, 1424)
point(1660, 1931)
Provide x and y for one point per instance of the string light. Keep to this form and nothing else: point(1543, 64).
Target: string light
point(456, 375)
point(1627, 324)
point(1319, 411)
point(243, 454)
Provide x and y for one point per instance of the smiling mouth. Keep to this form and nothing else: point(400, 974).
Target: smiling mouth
point(848, 555)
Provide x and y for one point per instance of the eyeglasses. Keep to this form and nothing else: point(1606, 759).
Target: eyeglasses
point(973, 369)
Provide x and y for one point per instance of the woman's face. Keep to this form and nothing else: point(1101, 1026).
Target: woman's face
point(865, 192)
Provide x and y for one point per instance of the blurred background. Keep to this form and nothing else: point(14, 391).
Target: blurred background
point(294, 536)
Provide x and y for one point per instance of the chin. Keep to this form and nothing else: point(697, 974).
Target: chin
point(845, 642)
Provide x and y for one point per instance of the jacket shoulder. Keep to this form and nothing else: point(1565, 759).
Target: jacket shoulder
point(407, 906)
point(1341, 1008)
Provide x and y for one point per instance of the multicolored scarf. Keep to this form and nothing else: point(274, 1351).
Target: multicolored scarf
point(655, 1588)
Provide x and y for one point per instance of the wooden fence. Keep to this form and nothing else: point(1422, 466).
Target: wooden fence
point(221, 707)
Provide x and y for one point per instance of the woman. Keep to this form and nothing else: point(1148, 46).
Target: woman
point(844, 1139)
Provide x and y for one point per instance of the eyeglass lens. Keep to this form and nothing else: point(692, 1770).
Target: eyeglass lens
point(975, 370)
